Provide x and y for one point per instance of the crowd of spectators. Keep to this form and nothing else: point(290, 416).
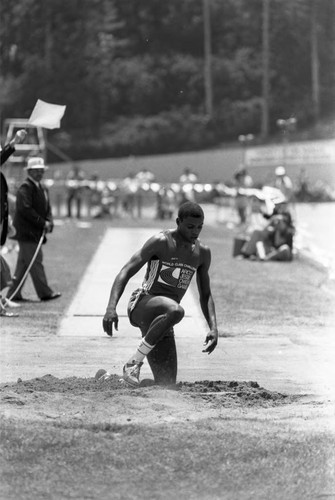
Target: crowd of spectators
point(77, 195)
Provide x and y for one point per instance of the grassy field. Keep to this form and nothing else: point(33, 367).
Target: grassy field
point(223, 451)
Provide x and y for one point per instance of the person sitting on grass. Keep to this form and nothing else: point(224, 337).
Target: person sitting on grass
point(274, 242)
point(172, 258)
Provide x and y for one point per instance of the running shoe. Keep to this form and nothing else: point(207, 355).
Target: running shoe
point(102, 375)
point(131, 373)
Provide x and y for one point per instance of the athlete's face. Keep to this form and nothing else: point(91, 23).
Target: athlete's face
point(190, 227)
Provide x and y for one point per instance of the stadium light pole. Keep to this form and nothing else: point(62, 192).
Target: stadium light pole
point(286, 126)
point(265, 69)
point(244, 140)
point(315, 61)
point(208, 59)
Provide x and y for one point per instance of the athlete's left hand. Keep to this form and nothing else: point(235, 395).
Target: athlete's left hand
point(211, 341)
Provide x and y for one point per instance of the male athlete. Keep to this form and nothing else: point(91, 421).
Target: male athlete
point(172, 258)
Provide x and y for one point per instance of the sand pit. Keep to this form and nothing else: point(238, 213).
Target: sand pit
point(87, 400)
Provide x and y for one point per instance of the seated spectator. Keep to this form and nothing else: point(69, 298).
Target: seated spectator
point(108, 201)
point(274, 242)
point(280, 206)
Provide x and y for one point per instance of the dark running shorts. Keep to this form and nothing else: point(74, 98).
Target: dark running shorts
point(134, 299)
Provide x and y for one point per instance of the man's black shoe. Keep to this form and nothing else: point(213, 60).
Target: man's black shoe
point(20, 299)
point(53, 296)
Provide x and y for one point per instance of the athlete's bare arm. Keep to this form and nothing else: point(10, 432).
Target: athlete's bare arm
point(206, 299)
point(151, 248)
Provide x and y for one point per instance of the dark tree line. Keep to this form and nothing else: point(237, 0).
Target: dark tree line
point(131, 72)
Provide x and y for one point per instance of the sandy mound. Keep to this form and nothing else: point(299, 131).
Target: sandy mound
point(89, 401)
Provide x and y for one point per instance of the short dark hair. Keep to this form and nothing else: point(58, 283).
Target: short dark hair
point(190, 209)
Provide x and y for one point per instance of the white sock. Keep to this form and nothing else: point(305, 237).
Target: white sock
point(260, 250)
point(142, 351)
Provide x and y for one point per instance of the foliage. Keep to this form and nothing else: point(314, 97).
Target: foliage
point(137, 67)
point(136, 135)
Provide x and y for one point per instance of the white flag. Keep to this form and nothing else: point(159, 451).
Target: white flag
point(46, 115)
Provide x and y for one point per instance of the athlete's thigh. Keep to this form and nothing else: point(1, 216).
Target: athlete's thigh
point(149, 307)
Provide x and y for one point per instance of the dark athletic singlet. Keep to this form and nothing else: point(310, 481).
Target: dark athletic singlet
point(169, 275)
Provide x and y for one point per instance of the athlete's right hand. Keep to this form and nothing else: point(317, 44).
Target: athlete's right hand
point(211, 341)
point(111, 318)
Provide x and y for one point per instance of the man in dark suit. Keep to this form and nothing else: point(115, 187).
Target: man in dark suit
point(5, 276)
point(5, 153)
point(32, 220)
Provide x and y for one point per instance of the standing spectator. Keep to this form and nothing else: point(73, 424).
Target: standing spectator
point(166, 202)
point(33, 218)
point(57, 193)
point(129, 187)
point(303, 192)
point(188, 176)
point(6, 152)
point(283, 183)
point(144, 178)
point(94, 198)
point(74, 185)
point(187, 181)
point(5, 275)
point(243, 181)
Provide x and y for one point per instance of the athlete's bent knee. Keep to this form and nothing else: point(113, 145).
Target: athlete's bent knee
point(176, 314)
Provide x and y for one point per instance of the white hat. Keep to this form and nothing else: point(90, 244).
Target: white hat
point(34, 163)
point(280, 170)
point(279, 199)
